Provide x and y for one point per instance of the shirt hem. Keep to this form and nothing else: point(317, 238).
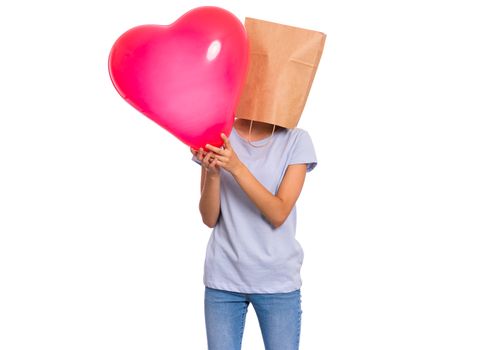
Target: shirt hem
point(250, 290)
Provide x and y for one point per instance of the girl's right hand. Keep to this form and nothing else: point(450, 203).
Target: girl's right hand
point(208, 161)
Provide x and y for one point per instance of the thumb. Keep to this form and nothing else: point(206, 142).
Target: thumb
point(226, 141)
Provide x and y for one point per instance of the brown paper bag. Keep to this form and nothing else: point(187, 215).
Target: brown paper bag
point(283, 63)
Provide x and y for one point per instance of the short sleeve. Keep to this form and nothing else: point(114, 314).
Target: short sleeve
point(195, 159)
point(303, 151)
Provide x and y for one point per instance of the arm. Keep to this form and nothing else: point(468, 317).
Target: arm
point(275, 208)
point(209, 203)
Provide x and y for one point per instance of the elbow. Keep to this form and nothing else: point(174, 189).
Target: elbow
point(208, 218)
point(277, 224)
point(280, 218)
point(278, 221)
point(209, 223)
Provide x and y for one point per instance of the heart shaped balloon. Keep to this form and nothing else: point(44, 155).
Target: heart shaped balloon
point(187, 76)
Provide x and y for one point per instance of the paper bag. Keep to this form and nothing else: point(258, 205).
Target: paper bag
point(283, 63)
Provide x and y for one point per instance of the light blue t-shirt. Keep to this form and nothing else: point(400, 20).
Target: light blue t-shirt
point(245, 253)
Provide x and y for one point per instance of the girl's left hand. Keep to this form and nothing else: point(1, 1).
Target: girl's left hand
point(226, 157)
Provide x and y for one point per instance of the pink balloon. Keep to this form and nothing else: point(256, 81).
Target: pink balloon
point(187, 76)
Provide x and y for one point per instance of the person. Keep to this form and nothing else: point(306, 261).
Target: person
point(249, 188)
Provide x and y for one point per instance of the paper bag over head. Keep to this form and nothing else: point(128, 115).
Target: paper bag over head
point(283, 63)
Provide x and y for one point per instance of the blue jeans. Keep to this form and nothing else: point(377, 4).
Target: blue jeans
point(279, 317)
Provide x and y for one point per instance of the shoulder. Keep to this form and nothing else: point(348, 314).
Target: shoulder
point(297, 135)
point(296, 131)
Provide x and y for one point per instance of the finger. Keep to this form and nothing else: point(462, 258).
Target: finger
point(200, 154)
point(214, 149)
point(207, 157)
point(212, 156)
point(204, 162)
point(220, 158)
point(214, 163)
point(226, 140)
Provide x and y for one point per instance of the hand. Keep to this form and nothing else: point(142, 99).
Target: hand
point(208, 161)
point(226, 157)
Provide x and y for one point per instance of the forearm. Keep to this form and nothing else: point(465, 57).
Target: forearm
point(271, 206)
point(209, 204)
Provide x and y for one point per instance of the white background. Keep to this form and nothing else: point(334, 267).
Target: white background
point(102, 245)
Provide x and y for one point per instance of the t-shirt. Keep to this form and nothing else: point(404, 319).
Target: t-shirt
point(245, 253)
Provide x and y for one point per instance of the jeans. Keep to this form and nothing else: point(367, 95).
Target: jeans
point(279, 317)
